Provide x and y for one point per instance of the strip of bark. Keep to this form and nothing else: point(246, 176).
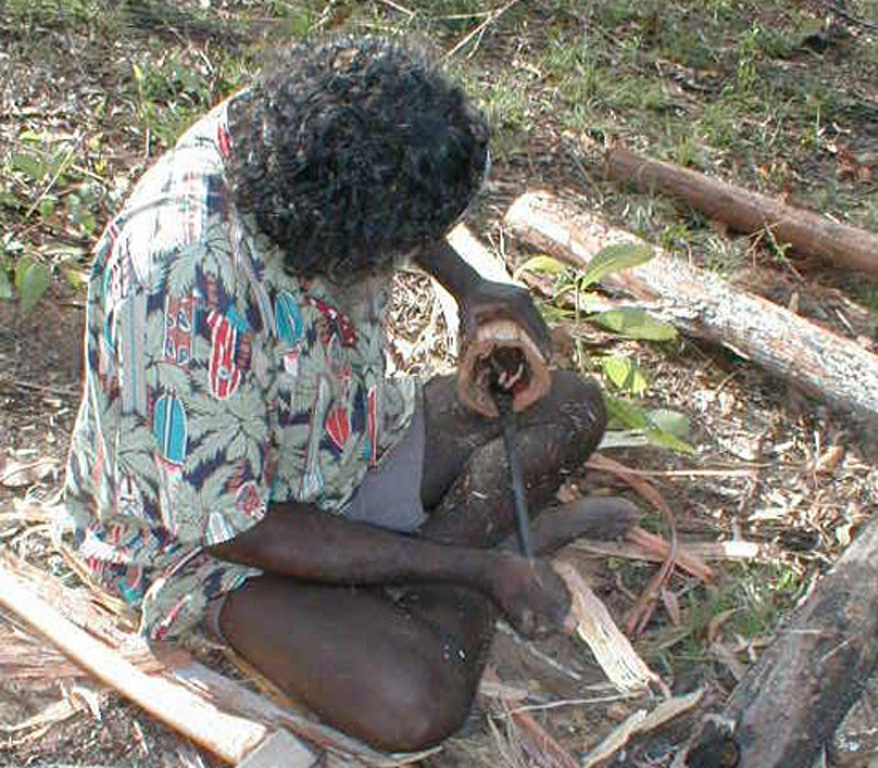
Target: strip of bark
point(791, 701)
point(702, 305)
point(807, 232)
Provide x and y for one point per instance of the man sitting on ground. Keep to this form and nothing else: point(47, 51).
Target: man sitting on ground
point(240, 458)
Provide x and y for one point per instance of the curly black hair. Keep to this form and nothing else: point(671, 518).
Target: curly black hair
point(355, 153)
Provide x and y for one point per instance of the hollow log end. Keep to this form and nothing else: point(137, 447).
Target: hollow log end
point(474, 385)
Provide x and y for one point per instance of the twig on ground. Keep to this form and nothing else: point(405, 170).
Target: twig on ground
point(575, 702)
point(746, 471)
point(33, 386)
point(535, 740)
point(838, 10)
point(642, 610)
point(397, 7)
point(689, 557)
point(641, 722)
point(683, 558)
point(591, 621)
point(479, 31)
point(54, 713)
point(48, 188)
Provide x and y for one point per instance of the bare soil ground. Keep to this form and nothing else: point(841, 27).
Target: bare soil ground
point(771, 467)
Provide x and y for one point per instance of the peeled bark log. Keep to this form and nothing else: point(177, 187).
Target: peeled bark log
point(705, 306)
point(807, 232)
point(790, 702)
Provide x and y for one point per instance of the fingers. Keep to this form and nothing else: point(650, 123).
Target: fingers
point(532, 322)
point(532, 597)
point(495, 301)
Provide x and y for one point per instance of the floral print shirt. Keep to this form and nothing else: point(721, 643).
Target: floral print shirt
point(215, 384)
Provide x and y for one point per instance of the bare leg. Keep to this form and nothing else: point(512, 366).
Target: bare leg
point(402, 676)
point(466, 469)
point(362, 663)
point(556, 436)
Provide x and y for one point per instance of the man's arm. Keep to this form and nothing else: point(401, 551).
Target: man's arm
point(298, 541)
point(481, 301)
point(454, 274)
point(302, 542)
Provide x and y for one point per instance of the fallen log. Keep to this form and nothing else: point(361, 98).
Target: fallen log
point(807, 232)
point(791, 701)
point(705, 306)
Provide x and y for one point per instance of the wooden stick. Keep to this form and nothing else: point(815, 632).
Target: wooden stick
point(703, 305)
point(228, 737)
point(749, 212)
point(537, 742)
point(171, 663)
point(684, 559)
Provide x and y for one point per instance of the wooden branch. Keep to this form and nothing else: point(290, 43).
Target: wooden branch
point(227, 736)
point(809, 233)
point(703, 305)
point(536, 741)
point(790, 702)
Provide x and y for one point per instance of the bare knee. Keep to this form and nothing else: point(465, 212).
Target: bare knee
point(579, 397)
point(576, 405)
point(421, 709)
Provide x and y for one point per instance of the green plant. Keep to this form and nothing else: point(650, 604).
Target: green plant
point(32, 279)
point(57, 13)
point(658, 427)
point(172, 88)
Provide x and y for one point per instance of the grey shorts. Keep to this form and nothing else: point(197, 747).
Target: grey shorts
point(390, 495)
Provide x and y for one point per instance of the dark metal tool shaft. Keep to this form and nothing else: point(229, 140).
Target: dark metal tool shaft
point(503, 401)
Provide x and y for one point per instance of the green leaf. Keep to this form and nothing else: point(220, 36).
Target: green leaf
point(650, 424)
point(5, 286)
point(10, 200)
point(614, 258)
point(624, 373)
point(31, 279)
point(635, 324)
point(77, 279)
point(627, 414)
point(29, 164)
point(673, 422)
point(662, 439)
point(46, 207)
point(540, 265)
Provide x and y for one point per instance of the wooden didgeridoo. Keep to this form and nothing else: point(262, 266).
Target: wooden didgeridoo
point(475, 373)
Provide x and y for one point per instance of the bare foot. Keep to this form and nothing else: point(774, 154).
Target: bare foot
point(594, 517)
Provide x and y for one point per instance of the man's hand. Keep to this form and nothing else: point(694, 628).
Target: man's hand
point(531, 596)
point(486, 301)
point(481, 301)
